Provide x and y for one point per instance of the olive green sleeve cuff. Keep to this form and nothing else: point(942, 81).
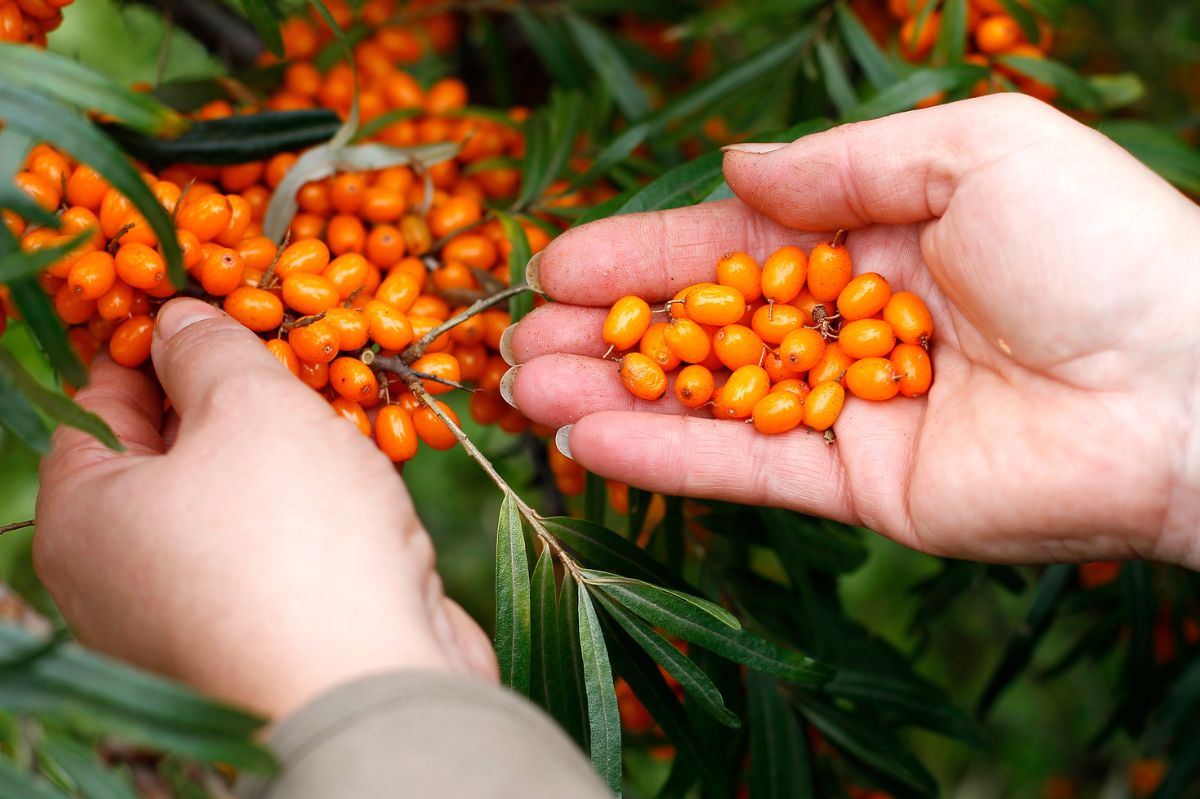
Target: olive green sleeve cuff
point(423, 734)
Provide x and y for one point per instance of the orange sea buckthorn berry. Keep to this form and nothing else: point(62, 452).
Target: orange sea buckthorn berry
point(395, 433)
point(438, 364)
point(254, 308)
point(470, 331)
point(352, 327)
point(794, 385)
point(432, 430)
point(114, 209)
point(399, 289)
point(823, 405)
point(740, 271)
point(773, 323)
point(472, 359)
point(642, 376)
point(353, 413)
point(455, 213)
point(353, 380)
point(239, 177)
point(448, 94)
point(436, 307)
point(654, 346)
point(805, 302)
point(313, 197)
point(72, 309)
point(872, 379)
point(221, 272)
point(205, 217)
point(384, 246)
point(912, 363)
point(495, 322)
point(191, 249)
point(776, 368)
point(309, 294)
point(418, 238)
point(865, 295)
point(627, 321)
point(348, 273)
point(711, 304)
point(471, 249)
point(917, 36)
point(738, 345)
point(130, 343)
point(909, 318)
point(778, 412)
point(688, 340)
point(39, 189)
point(307, 255)
point(744, 388)
point(240, 218)
point(345, 233)
point(86, 188)
point(92, 276)
point(487, 407)
point(694, 386)
point(316, 342)
point(997, 33)
point(784, 273)
point(425, 324)
point(117, 302)
point(382, 204)
point(257, 252)
point(140, 266)
point(829, 270)
point(346, 193)
point(314, 375)
point(867, 338)
point(830, 367)
point(389, 327)
point(802, 349)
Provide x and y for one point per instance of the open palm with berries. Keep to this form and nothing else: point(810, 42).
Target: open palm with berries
point(1062, 279)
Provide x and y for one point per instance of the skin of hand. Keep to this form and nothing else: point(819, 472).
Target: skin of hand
point(1062, 277)
point(254, 544)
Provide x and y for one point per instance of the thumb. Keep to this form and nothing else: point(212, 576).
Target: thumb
point(895, 170)
point(198, 350)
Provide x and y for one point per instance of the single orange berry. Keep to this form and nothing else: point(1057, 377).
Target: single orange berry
point(694, 386)
point(346, 233)
point(385, 245)
point(744, 388)
point(86, 188)
point(784, 273)
point(71, 308)
point(395, 433)
point(823, 405)
point(221, 272)
point(353, 413)
point(794, 385)
point(400, 290)
point(314, 375)
point(433, 431)
point(642, 376)
point(205, 217)
point(829, 270)
point(352, 327)
point(710, 304)
point(872, 379)
point(472, 359)
point(738, 345)
point(654, 345)
point(777, 368)
point(348, 273)
point(772, 323)
point(802, 348)
point(316, 342)
point(863, 296)
point(740, 271)
point(240, 217)
point(778, 412)
point(117, 302)
point(130, 343)
point(140, 266)
point(688, 340)
point(915, 368)
point(285, 355)
point(487, 407)
point(346, 194)
point(832, 364)
point(309, 294)
point(438, 364)
point(867, 338)
point(254, 308)
point(257, 252)
point(422, 325)
point(92, 276)
point(909, 318)
point(997, 33)
point(389, 327)
point(353, 380)
point(306, 255)
point(627, 320)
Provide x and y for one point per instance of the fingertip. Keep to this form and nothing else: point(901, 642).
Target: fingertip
point(179, 314)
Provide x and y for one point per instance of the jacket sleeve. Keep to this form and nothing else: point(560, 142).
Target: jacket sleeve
point(420, 735)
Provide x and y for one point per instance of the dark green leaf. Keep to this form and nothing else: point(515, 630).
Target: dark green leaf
point(1117, 91)
point(910, 700)
point(265, 16)
point(605, 209)
point(188, 94)
point(607, 61)
point(60, 408)
point(1042, 609)
point(874, 63)
point(67, 81)
point(551, 48)
point(683, 185)
point(14, 147)
point(837, 82)
point(19, 785)
point(600, 548)
point(574, 684)
point(1141, 608)
point(1180, 708)
point(547, 686)
point(595, 499)
point(906, 93)
point(656, 594)
point(782, 763)
point(827, 546)
point(952, 34)
point(513, 627)
point(1073, 87)
point(1025, 18)
point(1158, 148)
point(17, 264)
point(550, 139)
point(48, 329)
point(518, 257)
point(91, 779)
point(693, 680)
point(39, 117)
point(19, 417)
point(604, 718)
point(680, 617)
point(1183, 774)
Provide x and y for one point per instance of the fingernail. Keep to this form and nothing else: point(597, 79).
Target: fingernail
point(562, 439)
point(754, 148)
point(177, 315)
point(531, 274)
point(506, 350)
point(506, 385)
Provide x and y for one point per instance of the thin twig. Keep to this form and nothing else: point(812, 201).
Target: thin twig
point(8, 528)
point(418, 347)
point(164, 52)
point(531, 516)
point(384, 363)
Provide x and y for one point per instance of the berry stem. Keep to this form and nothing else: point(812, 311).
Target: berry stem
point(383, 363)
point(531, 515)
point(8, 528)
point(418, 347)
point(839, 238)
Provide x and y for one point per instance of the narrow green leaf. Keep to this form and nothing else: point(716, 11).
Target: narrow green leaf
point(513, 626)
point(16, 783)
point(600, 548)
point(595, 499)
point(906, 93)
point(59, 407)
point(952, 34)
point(547, 685)
point(17, 264)
point(14, 147)
point(1025, 18)
point(694, 681)
point(32, 113)
point(574, 683)
point(654, 592)
point(1183, 773)
point(92, 780)
point(826, 546)
point(68, 81)
point(782, 763)
point(609, 64)
point(518, 257)
point(1180, 707)
point(1141, 608)
point(605, 209)
point(604, 718)
point(1158, 148)
point(837, 82)
point(48, 329)
point(1117, 91)
point(910, 700)
point(679, 617)
point(19, 417)
point(1074, 88)
point(639, 506)
point(873, 62)
point(551, 48)
point(684, 185)
point(265, 16)
point(554, 130)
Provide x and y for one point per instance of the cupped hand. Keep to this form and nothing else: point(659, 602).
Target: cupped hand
point(254, 545)
point(1062, 277)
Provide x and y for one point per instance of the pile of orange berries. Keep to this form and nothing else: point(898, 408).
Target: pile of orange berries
point(991, 32)
point(28, 21)
point(777, 345)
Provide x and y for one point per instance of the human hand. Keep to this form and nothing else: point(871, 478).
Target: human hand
point(1061, 275)
point(256, 545)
